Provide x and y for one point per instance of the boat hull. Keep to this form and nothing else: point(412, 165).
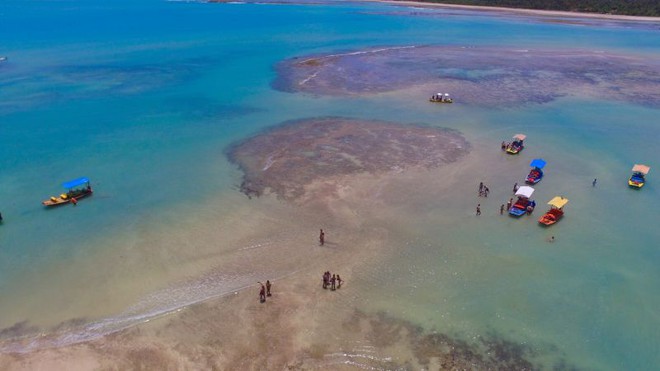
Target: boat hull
point(533, 180)
point(58, 201)
point(551, 217)
point(634, 184)
point(514, 211)
point(514, 151)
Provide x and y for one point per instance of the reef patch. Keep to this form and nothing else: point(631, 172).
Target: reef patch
point(287, 158)
point(486, 76)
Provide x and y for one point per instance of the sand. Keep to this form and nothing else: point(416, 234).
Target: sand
point(522, 11)
point(302, 326)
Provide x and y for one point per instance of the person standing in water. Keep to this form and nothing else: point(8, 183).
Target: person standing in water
point(593, 184)
point(478, 209)
point(502, 209)
point(322, 237)
point(326, 279)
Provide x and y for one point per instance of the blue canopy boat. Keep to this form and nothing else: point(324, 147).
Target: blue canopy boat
point(76, 189)
point(536, 174)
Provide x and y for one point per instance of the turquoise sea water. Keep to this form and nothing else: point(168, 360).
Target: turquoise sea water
point(144, 96)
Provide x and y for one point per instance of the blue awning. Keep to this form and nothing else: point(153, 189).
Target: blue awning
point(537, 162)
point(75, 182)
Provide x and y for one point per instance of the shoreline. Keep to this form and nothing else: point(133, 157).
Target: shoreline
point(523, 11)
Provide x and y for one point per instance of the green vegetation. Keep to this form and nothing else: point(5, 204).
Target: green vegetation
point(649, 8)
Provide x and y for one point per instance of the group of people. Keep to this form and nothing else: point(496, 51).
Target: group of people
point(515, 144)
point(440, 97)
point(264, 291)
point(333, 281)
point(508, 205)
point(483, 190)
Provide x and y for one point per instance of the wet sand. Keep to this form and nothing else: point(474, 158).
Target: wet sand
point(301, 326)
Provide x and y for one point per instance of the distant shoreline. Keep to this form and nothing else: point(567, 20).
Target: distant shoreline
point(523, 11)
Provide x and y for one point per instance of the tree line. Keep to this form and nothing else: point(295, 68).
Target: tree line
point(649, 8)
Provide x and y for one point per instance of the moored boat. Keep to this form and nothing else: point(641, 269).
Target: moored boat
point(516, 145)
point(441, 98)
point(523, 204)
point(556, 211)
point(536, 174)
point(638, 177)
point(76, 189)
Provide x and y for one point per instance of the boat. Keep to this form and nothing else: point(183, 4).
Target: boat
point(536, 174)
point(523, 204)
point(516, 145)
point(638, 177)
point(441, 98)
point(556, 211)
point(76, 189)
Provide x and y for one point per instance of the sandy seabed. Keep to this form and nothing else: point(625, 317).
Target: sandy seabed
point(302, 326)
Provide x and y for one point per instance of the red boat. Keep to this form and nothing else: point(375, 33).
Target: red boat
point(556, 212)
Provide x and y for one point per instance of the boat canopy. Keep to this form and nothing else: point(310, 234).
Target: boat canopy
point(558, 202)
point(538, 162)
point(641, 169)
point(75, 182)
point(525, 191)
point(520, 136)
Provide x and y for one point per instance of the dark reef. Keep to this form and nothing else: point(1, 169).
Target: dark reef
point(288, 157)
point(484, 76)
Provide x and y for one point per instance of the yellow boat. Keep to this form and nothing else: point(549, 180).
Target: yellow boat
point(638, 178)
point(516, 145)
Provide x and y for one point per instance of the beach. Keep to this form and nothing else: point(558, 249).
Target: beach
point(217, 154)
point(528, 12)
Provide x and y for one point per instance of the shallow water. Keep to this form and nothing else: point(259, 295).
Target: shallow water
point(146, 108)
